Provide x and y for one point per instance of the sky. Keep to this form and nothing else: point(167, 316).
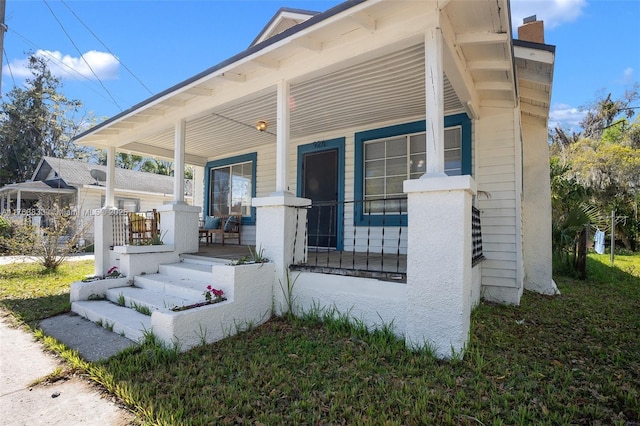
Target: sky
point(139, 48)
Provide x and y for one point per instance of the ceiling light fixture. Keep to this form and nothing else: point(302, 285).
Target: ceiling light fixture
point(261, 125)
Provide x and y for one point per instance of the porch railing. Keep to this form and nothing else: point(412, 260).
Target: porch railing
point(374, 245)
point(120, 230)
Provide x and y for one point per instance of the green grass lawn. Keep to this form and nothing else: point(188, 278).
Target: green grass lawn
point(32, 293)
point(568, 359)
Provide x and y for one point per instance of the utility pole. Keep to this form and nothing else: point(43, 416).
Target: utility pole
point(3, 29)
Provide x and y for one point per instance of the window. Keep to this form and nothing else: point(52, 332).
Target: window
point(128, 204)
point(230, 186)
point(386, 157)
point(387, 163)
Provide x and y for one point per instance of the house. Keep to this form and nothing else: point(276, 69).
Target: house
point(411, 135)
point(80, 186)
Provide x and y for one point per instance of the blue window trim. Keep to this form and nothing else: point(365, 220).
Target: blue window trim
point(327, 145)
point(362, 219)
point(253, 157)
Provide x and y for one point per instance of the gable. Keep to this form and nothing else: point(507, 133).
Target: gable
point(284, 19)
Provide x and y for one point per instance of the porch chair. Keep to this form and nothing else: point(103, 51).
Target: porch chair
point(228, 226)
point(143, 226)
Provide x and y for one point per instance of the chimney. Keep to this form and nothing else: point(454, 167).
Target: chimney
point(531, 30)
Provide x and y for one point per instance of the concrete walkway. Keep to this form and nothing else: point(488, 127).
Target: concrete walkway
point(76, 401)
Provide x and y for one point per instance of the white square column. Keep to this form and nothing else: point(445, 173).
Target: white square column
point(439, 263)
point(283, 124)
point(434, 95)
point(178, 161)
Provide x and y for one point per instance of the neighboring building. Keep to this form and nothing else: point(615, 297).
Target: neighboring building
point(81, 187)
point(415, 130)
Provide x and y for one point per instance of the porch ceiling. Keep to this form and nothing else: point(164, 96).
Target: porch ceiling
point(359, 67)
point(387, 88)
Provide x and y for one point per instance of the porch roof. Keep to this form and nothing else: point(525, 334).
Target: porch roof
point(358, 64)
point(32, 190)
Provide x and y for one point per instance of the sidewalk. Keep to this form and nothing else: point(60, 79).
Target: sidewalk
point(5, 260)
point(76, 401)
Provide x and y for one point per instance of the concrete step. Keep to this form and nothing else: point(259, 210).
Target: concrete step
point(150, 299)
point(191, 271)
point(203, 260)
point(121, 320)
point(174, 285)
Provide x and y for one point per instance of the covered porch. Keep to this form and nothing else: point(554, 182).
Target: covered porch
point(24, 198)
point(310, 116)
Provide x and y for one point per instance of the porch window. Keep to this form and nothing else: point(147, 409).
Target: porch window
point(386, 157)
point(230, 186)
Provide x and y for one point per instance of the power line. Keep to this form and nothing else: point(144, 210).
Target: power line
point(91, 86)
point(107, 48)
point(4, 51)
point(81, 55)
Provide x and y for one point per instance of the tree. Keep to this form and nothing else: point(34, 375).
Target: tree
point(59, 234)
point(161, 167)
point(37, 120)
point(123, 160)
point(604, 112)
point(570, 210)
point(600, 170)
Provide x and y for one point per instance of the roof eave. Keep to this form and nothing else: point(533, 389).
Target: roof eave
point(226, 63)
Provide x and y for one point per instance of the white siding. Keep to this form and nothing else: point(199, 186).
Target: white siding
point(495, 161)
point(498, 160)
point(86, 201)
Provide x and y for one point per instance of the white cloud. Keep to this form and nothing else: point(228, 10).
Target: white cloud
point(104, 65)
point(552, 12)
point(565, 116)
point(627, 75)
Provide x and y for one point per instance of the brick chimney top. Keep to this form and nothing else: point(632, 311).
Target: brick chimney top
point(531, 30)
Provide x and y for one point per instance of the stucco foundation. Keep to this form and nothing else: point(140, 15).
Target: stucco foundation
point(375, 303)
point(137, 260)
point(95, 289)
point(248, 304)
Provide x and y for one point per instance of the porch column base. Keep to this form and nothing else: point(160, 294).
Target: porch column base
point(439, 263)
point(179, 226)
point(103, 240)
point(280, 232)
